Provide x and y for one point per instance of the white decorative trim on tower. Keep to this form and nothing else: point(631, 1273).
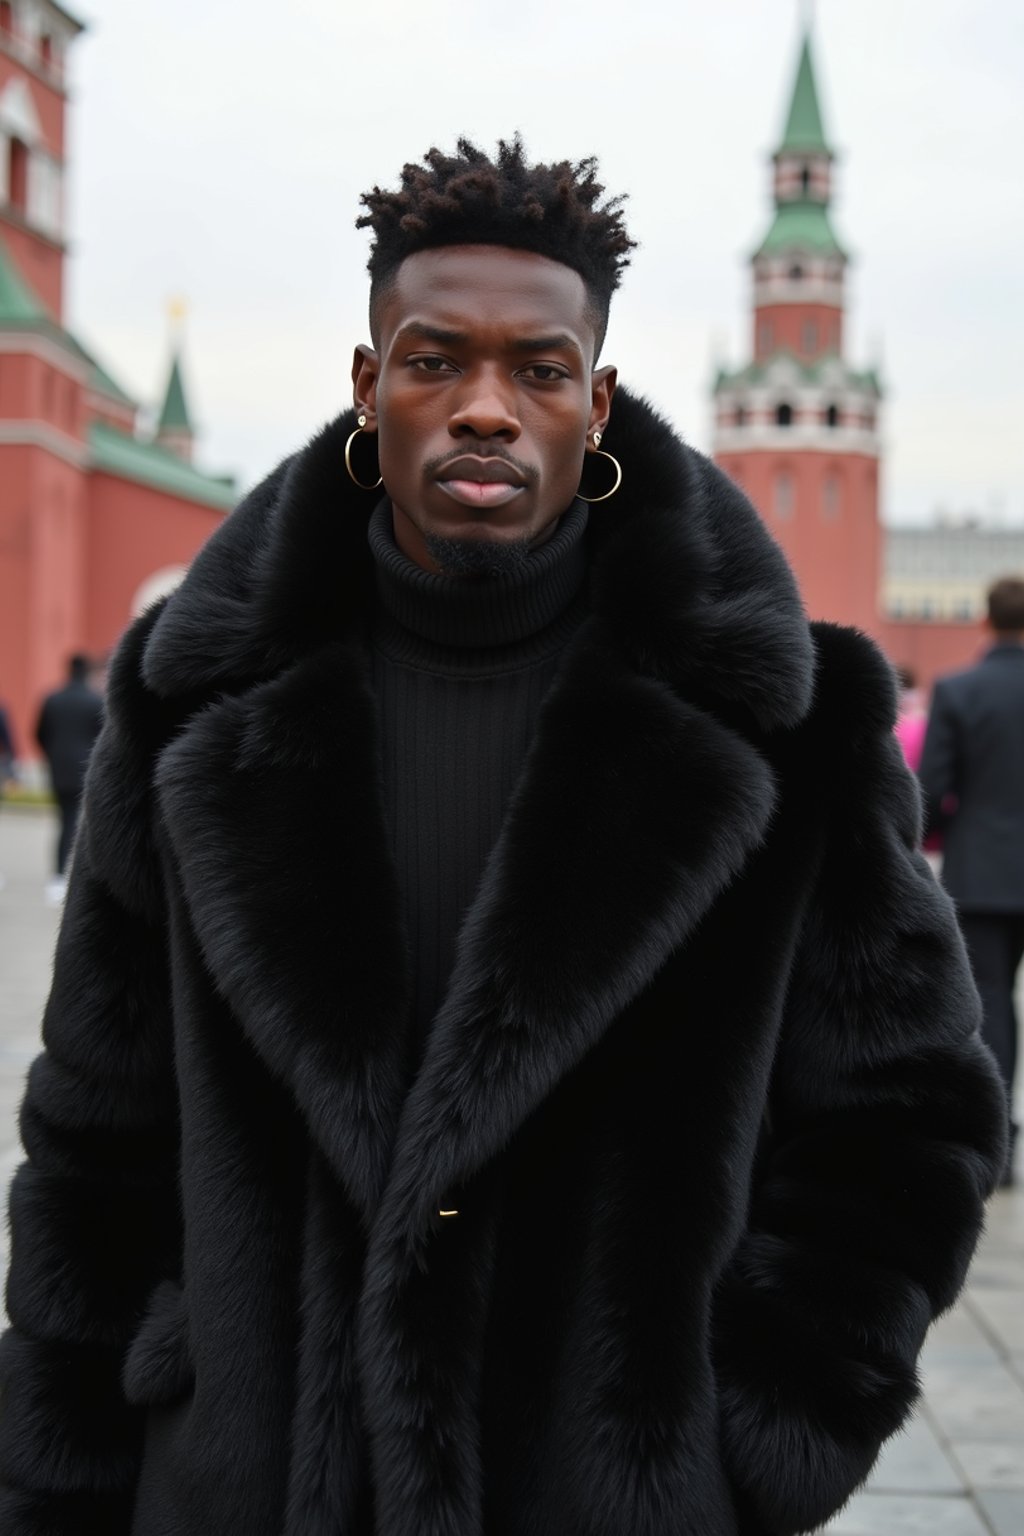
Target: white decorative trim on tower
point(40, 35)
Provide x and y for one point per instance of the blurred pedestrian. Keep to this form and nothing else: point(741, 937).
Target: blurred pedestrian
point(6, 748)
point(911, 725)
point(68, 725)
point(972, 776)
point(912, 719)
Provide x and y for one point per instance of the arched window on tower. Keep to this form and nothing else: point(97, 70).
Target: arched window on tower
point(832, 416)
point(796, 272)
point(782, 494)
point(805, 179)
point(17, 175)
point(784, 414)
point(46, 50)
point(740, 418)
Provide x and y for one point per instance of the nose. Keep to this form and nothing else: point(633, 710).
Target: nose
point(484, 407)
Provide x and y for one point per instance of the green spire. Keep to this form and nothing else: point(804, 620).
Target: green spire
point(804, 130)
point(174, 417)
point(18, 304)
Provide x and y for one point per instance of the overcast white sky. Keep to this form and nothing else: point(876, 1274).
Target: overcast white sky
point(218, 151)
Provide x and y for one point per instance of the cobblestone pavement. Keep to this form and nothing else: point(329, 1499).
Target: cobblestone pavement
point(957, 1471)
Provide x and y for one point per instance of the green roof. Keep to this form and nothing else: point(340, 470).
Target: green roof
point(18, 304)
point(78, 25)
point(129, 458)
point(802, 225)
point(174, 416)
point(754, 373)
point(22, 310)
point(804, 129)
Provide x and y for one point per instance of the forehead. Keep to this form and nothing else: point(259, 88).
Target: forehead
point(476, 285)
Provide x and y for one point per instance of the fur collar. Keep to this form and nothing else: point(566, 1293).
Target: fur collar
point(684, 574)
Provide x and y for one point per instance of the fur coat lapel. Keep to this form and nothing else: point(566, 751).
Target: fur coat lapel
point(695, 648)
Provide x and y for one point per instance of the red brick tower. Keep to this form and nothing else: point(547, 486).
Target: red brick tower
point(94, 519)
point(797, 427)
point(34, 39)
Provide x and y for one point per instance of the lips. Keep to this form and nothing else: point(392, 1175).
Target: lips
point(476, 482)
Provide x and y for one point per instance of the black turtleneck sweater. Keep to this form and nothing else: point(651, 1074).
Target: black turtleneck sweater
point(460, 667)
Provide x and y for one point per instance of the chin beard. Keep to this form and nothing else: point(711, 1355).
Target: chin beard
point(482, 559)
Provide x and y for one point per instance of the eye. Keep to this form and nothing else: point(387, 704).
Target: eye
point(544, 373)
point(430, 363)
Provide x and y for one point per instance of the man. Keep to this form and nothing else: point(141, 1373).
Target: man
point(68, 725)
point(496, 1081)
point(972, 775)
point(7, 753)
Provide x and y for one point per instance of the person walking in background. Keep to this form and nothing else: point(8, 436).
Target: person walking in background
point(6, 748)
point(68, 725)
point(972, 777)
point(912, 720)
point(911, 725)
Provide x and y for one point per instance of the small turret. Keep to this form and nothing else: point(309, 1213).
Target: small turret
point(175, 431)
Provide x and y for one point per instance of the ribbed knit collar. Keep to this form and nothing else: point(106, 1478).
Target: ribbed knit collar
point(425, 618)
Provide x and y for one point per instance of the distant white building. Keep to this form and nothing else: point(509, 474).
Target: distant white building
point(942, 572)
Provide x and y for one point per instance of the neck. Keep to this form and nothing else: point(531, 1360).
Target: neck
point(414, 545)
point(485, 613)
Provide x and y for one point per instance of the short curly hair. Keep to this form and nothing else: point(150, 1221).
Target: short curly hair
point(471, 199)
point(1005, 601)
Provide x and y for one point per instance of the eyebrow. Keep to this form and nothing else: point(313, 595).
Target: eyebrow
point(557, 342)
point(418, 330)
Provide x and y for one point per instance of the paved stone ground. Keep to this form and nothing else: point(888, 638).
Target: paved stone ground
point(957, 1471)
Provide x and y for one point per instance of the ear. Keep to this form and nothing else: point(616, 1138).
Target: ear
point(603, 382)
point(365, 373)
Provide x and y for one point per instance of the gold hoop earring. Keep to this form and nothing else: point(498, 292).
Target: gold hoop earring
point(348, 459)
point(601, 453)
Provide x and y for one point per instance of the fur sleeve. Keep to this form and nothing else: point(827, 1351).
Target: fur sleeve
point(93, 1210)
point(888, 1127)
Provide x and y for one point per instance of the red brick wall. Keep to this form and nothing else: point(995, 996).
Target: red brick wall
point(931, 648)
point(787, 323)
point(836, 554)
point(42, 555)
point(134, 532)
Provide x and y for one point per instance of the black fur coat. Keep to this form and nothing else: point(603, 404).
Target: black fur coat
point(706, 1090)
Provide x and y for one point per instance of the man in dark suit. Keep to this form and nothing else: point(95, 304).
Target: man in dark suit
point(972, 775)
point(69, 723)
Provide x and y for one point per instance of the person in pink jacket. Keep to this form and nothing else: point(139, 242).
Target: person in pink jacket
point(913, 718)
